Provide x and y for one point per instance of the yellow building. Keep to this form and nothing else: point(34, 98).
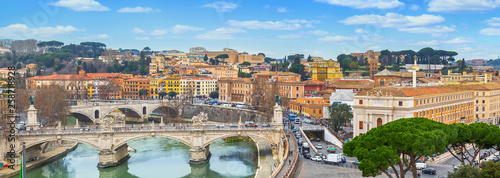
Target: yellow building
point(487, 102)
point(172, 84)
point(156, 87)
point(224, 73)
point(325, 70)
point(317, 58)
point(309, 106)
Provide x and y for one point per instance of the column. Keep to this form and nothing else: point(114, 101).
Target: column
point(200, 155)
point(386, 120)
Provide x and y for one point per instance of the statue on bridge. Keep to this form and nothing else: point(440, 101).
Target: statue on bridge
point(199, 119)
point(106, 123)
point(32, 100)
point(278, 100)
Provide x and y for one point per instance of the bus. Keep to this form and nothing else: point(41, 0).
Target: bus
point(292, 117)
point(250, 124)
point(305, 148)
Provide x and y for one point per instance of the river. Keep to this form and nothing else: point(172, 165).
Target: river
point(155, 157)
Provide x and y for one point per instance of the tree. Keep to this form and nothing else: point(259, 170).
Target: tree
point(426, 52)
point(479, 135)
point(162, 94)
point(146, 49)
point(309, 59)
point(464, 171)
point(398, 143)
point(205, 58)
point(222, 56)
point(340, 114)
point(143, 92)
point(172, 94)
point(52, 104)
point(214, 95)
point(353, 65)
point(489, 169)
point(261, 54)
point(296, 60)
point(245, 63)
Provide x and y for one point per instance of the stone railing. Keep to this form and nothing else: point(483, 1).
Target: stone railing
point(295, 160)
point(285, 156)
point(308, 141)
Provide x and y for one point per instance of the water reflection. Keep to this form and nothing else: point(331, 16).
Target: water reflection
point(155, 157)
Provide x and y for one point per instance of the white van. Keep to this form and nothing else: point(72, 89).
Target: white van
point(226, 105)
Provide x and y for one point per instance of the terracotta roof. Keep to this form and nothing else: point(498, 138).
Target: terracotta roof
point(277, 73)
point(60, 77)
point(492, 86)
point(428, 80)
point(409, 92)
point(410, 74)
point(385, 72)
point(352, 84)
point(114, 75)
point(313, 82)
point(137, 80)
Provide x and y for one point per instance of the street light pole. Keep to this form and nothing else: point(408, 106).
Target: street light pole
point(24, 160)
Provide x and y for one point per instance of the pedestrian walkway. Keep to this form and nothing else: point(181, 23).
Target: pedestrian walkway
point(63, 149)
point(444, 157)
point(286, 166)
point(267, 163)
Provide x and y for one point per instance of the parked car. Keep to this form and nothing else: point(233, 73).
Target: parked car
point(429, 171)
point(233, 125)
point(316, 158)
point(356, 162)
point(331, 149)
point(219, 126)
point(250, 124)
point(266, 125)
point(84, 128)
point(319, 146)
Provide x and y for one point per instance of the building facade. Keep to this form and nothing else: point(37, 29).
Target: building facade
point(378, 106)
point(309, 106)
point(197, 86)
point(132, 87)
point(76, 85)
point(325, 70)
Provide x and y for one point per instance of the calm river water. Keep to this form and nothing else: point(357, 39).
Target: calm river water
point(155, 157)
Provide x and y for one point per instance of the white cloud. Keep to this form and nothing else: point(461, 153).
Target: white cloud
point(393, 20)
point(427, 43)
point(137, 10)
point(23, 31)
point(364, 4)
point(177, 29)
point(462, 6)
point(222, 6)
point(414, 7)
point(281, 9)
point(494, 22)
point(142, 38)
point(158, 32)
point(337, 38)
point(317, 32)
point(272, 25)
point(81, 5)
point(490, 32)
point(439, 35)
point(459, 40)
point(138, 31)
point(360, 31)
point(432, 29)
point(292, 36)
point(223, 33)
point(93, 37)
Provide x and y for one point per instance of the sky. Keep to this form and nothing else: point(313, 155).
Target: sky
point(277, 28)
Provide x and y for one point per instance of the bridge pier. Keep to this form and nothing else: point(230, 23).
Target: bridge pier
point(200, 155)
point(110, 158)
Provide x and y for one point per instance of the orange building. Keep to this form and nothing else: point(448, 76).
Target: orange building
point(243, 89)
point(276, 76)
point(131, 88)
point(309, 106)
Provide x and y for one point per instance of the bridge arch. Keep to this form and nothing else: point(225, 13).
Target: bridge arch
point(37, 142)
point(121, 107)
point(149, 135)
point(251, 135)
point(155, 107)
point(82, 116)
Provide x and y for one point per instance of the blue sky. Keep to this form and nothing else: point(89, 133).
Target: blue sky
point(275, 27)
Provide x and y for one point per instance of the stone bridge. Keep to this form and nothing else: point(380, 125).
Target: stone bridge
point(92, 112)
point(112, 143)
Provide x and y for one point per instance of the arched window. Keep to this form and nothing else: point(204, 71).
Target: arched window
point(379, 122)
point(144, 110)
point(96, 114)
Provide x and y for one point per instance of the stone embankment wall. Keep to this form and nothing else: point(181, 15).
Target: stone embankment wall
point(226, 114)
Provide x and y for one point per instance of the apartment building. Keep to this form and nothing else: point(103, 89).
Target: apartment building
point(132, 87)
point(243, 89)
point(446, 104)
point(197, 86)
point(172, 83)
point(309, 106)
point(156, 87)
point(486, 102)
point(252, 59)
point(224, 73)
point(276, 76)
point(325, 70)
point(76, 85)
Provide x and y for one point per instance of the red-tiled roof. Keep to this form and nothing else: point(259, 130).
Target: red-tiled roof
point(409, 92)
point(60, 77)
point(110, 75)
point(313, 82)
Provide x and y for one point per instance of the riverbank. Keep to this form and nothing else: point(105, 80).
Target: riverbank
point(45, 158)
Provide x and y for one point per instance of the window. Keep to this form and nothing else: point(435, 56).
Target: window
point(314, 111)
point(360, 101)
point(360, 124)
point(320, 111)
point(400, 103)
point(379, 122)
point(483, 101)
point(297, 88)
point(477, 101)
